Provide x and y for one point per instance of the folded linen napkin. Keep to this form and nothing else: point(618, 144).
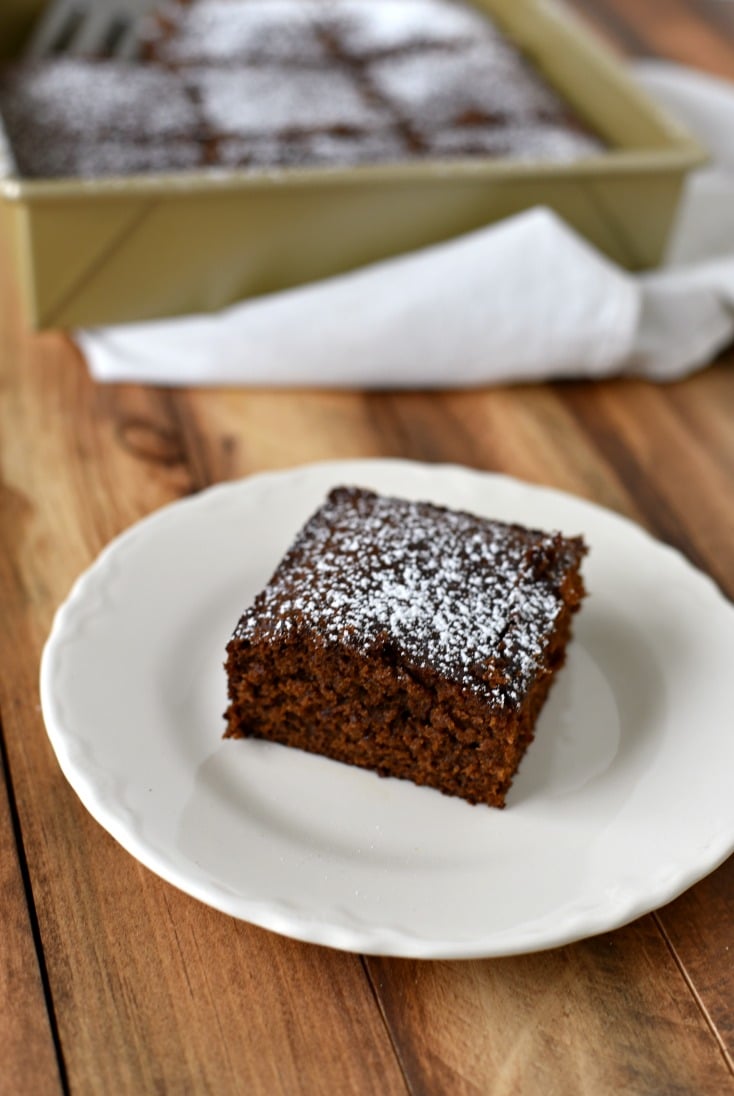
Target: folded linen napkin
point(475, 310)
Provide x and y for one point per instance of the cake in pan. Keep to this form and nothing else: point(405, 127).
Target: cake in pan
point(267, 84)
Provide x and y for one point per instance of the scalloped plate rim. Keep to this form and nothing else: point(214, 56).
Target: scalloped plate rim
point(350, 934)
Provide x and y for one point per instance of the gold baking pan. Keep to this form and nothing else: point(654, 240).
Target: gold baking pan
point(124, 249)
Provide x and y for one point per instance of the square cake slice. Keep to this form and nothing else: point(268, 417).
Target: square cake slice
point(407, 638)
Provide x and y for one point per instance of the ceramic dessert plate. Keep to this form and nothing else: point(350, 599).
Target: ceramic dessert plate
point(622, 802)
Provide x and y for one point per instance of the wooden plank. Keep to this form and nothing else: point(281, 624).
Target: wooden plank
point(153, 991)
point(236, 433)
point(608, 1015)
point(29, 1060)
point(693, 33)
point(526, 432)
point(625, 444)
point(707, 407)
point(699, 928)
point(672, 474)
point(616, 31)
point(529, 431)
point(717, 14)
point(680, 470)
point(678, 30)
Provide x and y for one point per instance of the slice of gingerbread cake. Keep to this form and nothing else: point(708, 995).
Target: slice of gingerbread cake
point(407, 638)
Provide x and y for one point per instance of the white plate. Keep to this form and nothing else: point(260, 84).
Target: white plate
point(624, 799)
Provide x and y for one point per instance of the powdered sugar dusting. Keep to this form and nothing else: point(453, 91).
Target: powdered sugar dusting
point(490, 79)
point(222, 32)
point(260, 99)
point(370, 28)
point(297, 150)
point(474, 600)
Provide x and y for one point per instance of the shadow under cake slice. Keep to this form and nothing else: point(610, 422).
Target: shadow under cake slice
point(409, 639)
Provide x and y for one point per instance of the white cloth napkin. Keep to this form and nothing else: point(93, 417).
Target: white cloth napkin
point(523, 300)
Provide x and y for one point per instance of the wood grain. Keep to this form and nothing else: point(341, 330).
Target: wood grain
point(29, 1058)
point(512, 1025)
point(154, 992)
point(699, 33)
point(670, 29)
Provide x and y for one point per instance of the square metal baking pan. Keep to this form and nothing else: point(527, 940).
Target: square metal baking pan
point(123, 249)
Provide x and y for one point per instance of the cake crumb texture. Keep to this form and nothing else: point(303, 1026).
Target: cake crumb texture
point(407, 638)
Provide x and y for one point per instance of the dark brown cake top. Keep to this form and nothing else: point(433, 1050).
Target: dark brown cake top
point(471, 599)
point(99, 100)
point(260, 84)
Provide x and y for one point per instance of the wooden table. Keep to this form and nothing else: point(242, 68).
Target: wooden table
point(113, 982)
